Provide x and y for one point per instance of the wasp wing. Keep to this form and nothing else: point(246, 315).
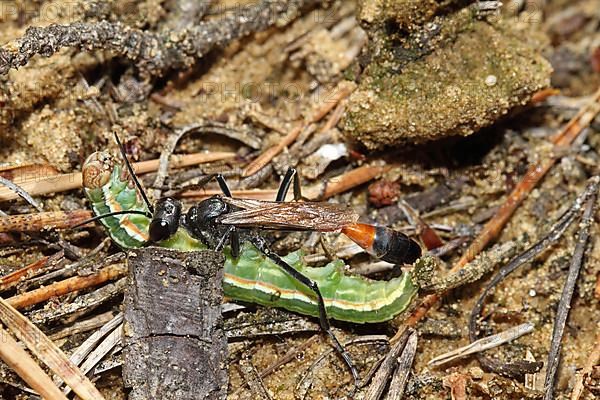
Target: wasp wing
point(312, 216)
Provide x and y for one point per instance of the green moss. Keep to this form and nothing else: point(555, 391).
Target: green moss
point(439, 81)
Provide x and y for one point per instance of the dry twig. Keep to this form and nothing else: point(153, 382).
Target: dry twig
point(47, 352)
point(27, 368)
point(67, 286)
point(14, 277)
point(36, 222)
point(21, 193)
point(253, 379)
point(405, 362)
point(320, 191)
point(517, 368)
point(483, 344)
point(566, 297)
point(331, 100)
point(153, 53)
point(114, 338)
point(380, 379)
point(64, 182)
point(533, 175)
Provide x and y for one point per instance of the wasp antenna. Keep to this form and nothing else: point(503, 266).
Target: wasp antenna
point(132, 173)
point(110, 214)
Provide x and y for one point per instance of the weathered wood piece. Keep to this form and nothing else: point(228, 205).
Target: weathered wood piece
point(174, 347)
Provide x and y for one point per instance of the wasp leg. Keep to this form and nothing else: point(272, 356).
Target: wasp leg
point(226, 236)
point(196, 234)
point(262, 245)
point(223, 185)
point(200, 185)
point(234, 241)
point(291, 176)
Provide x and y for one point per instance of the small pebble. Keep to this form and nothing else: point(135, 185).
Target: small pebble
point(491, 80)
point(476, 372)
point(532, 293)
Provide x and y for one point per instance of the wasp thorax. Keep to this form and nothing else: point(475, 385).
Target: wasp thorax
point(165, 221)
point(204, 214)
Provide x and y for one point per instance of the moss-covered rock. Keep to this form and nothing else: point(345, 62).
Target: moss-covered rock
point(454, 75)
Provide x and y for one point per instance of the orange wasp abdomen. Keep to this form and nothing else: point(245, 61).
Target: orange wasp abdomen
point(384, 243)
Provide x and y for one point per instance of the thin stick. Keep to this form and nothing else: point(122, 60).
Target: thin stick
point(67, 286)
point(64, 182)
point(10, 280)
point(27, 368)
point(514, 199)
point(92, 341)
point(19, 191)
point(262, 160)
point(380, 379)
point(45, 349)
point(345, 182)
point(20, 173)
point(153, 53)
point(80, 327)
point(566, 297)
point(483, 344)
point(252, 379)
point(321, 191)
point(555, 233)
point(331, 100)
point(106, 346)
point(405, 362)
point(287, 357)
point(36, 222)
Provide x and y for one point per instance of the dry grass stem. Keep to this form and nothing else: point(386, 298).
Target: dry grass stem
point(45, 349)
point(64, 182)
point(27, 368)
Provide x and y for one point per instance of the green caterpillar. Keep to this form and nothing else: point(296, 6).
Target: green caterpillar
point(252, 277)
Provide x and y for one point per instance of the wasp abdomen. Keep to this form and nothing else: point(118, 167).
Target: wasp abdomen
point(384, 243)
point(395, 247)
